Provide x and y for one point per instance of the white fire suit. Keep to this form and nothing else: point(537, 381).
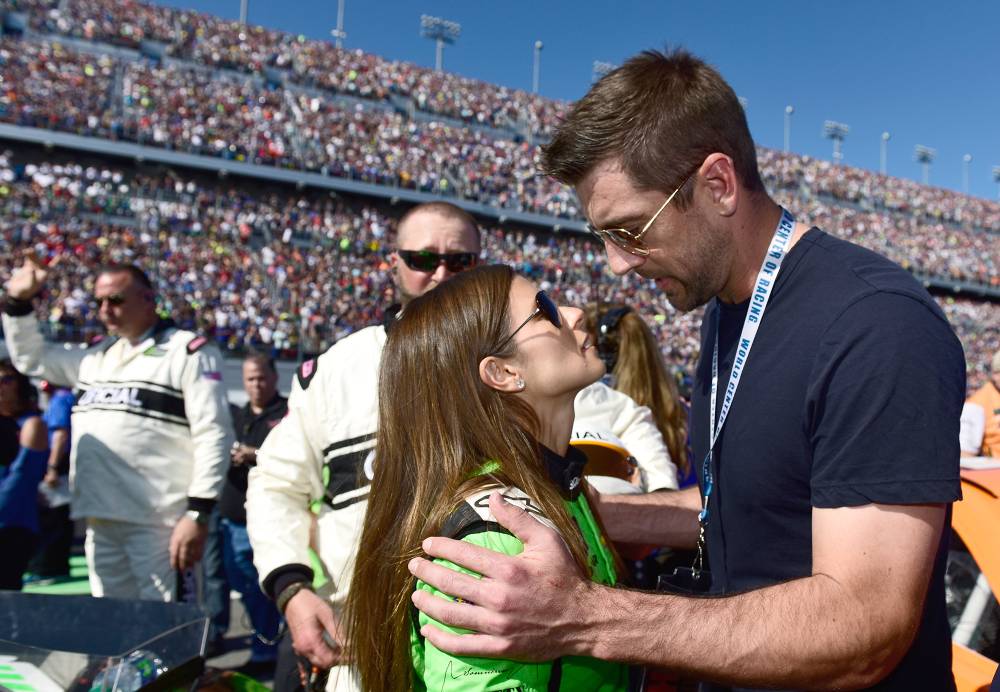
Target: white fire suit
point(151, 428)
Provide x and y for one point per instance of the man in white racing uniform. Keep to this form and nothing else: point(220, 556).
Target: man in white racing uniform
point(317, 452)
point(151, 430)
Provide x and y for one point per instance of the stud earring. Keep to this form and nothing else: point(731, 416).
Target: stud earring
point(520, 383)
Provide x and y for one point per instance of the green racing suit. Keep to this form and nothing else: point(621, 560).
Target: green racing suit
point(472, 522)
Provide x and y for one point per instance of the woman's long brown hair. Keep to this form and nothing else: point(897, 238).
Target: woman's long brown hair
point(438, 424)
point(641, 372)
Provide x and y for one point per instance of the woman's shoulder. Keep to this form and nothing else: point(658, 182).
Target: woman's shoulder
point(474, 515)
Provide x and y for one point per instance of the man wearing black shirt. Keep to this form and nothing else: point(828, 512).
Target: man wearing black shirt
point(252, 422)
point(838, 387)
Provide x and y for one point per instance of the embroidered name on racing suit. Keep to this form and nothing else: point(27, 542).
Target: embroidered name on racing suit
point(144, 399)
point(111, 395)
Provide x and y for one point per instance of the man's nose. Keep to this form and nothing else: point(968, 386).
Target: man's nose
point(621, 262)
point(441, 273)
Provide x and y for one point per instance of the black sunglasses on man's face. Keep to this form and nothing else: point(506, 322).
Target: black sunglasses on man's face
point(113, 300)
point(427, 261)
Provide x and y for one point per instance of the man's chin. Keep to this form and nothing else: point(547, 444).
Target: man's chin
point(682, 303)
point(677, 295)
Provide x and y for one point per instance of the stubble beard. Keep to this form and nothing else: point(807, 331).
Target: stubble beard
point(707, 254)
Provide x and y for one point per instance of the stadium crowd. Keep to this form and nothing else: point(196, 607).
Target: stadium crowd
point(215, 113)
point(238, 261)
point(227, 44)
point(209, 113)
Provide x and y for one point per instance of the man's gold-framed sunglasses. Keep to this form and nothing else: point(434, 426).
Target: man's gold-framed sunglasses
point(627, 240)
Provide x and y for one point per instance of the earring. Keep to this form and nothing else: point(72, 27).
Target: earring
point(520, 383)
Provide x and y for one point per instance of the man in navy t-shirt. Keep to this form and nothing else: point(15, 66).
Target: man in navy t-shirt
point(838, 388)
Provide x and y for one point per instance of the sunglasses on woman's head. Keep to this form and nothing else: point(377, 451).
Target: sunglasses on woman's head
point(427, 261)
point(543, 306)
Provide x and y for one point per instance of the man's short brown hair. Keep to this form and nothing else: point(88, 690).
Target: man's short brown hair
point(661, 114)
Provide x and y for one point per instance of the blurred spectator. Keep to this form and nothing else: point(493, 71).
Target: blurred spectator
point(636, 367)
point(987, 400)
point(23, 454)
point(51, 557)
point(252, 422)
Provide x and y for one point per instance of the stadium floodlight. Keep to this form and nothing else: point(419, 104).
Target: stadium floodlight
point(788, 127)
point(925, 157)
point(243, 11)
point(536, 67)
point(339, 34)
point(441, 31)
point(883, 153)
point(966, 160)
point(838, 133)
point(602, 68)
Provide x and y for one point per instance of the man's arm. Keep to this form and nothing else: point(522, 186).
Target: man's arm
point(32, 355)
point(28, 350)
point(847, 625)
point(668, 518)
point(287, 477)
point(211, 437)
point(57, 450)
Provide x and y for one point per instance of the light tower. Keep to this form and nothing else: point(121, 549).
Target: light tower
point(966, 160)
point(441, 31)
point(925, 157)
point(838, 133)
point(601, 68)
point(537, 66)
point(243, 11)
point(883, 153)
point(788, 126)
point(996, 179)
point(339, 34)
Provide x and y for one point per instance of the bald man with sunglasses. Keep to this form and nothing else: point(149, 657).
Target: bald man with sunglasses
point(318, 452)
point(151, 429)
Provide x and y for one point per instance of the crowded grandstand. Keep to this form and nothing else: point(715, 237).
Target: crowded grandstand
point(193, 83)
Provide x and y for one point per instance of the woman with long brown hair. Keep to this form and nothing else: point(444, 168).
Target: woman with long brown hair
point(475, 394)
point(630, 351)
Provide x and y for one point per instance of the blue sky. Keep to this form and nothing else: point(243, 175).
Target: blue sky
point(927, 72)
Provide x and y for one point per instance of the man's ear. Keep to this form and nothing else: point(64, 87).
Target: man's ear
point(722, 183)
point(498, 375)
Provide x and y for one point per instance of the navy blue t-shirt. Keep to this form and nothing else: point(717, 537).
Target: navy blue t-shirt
point(851, 395)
